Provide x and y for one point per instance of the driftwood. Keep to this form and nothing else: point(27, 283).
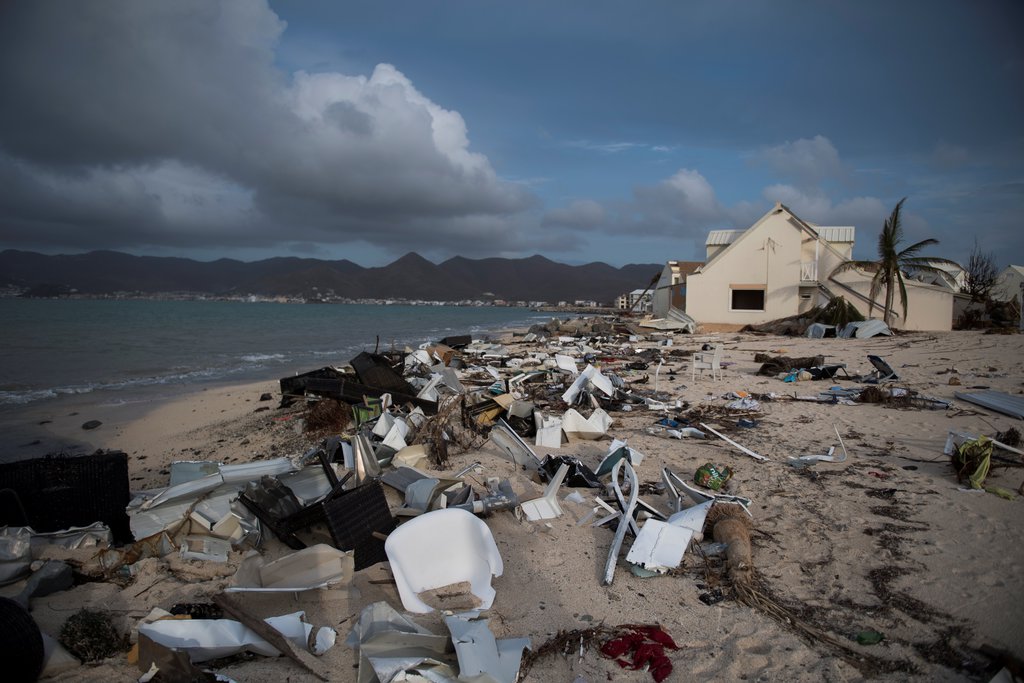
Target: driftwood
point(272, 636)
point(731, 525)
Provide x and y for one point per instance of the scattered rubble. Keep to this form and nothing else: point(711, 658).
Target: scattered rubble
point(375, 488)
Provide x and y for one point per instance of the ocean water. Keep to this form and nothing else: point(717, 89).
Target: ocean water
point(124, 351)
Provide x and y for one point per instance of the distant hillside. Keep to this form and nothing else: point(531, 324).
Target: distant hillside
point(410, 277)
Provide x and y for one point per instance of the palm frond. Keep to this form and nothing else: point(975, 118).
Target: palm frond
point(925, 262)
point(869, 266)
point(922, 268)
point(912, 250)
point(892, 230)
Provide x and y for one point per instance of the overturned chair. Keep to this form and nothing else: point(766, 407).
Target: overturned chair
point(358, 518)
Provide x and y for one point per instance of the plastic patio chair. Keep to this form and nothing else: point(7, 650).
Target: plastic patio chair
point(442, 548)
point(707, 360)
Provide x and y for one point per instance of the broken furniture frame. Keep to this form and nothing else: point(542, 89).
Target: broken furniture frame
point(353, 517)
point(332, 383)
point(677, 486)
point(883, 372)
point(626, 521)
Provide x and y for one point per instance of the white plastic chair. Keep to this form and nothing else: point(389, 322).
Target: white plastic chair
point(441, 548)
point(707, 360)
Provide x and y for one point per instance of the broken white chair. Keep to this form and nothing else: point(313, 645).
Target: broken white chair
point(439, 549)
point(626, 522)
point(546, 507)
point(707, 360)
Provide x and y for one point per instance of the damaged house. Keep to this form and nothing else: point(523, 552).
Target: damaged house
point(782, 266)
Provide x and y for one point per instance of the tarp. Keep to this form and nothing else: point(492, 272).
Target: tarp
point(863, 329)
point(818, 330)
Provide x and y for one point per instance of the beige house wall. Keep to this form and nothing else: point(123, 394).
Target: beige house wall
point(712, 251)
point(769, 257)
point(781, 256)
point(929, 307)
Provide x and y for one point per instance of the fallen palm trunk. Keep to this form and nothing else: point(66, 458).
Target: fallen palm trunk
point(731, 525)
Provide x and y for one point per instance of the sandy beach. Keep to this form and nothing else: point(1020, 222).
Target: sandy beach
point(887, 541)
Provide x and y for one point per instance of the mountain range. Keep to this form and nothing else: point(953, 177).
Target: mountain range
point(410, 277)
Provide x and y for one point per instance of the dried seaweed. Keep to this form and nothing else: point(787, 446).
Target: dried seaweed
point(1011, 437)
point(906, 401)
point(732, 526)
point(328, 416)
point(754, 594)
point(873, 394)
point(91, 636)
point(449, 432)
point(565, 643)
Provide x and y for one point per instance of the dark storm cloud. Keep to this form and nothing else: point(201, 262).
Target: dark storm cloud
point(141, 123)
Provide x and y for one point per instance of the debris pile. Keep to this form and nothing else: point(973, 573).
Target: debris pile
point(374, 491)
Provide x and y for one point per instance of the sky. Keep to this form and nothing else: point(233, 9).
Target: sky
point(582, 130)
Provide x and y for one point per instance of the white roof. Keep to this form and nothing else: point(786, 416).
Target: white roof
point(838, 233)
point(722, 237)
point(834, 234)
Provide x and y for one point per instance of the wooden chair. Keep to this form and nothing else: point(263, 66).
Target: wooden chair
point(707, 360)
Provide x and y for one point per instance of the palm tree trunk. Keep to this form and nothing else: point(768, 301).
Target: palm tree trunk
point(889, 294)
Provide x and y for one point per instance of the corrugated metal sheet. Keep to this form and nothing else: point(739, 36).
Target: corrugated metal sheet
point(717, 238)
point(995, 400)
point(842, 233)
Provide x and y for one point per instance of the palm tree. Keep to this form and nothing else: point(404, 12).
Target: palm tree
point(888, 269)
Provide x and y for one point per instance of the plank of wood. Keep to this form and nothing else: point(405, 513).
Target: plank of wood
point(272, 636)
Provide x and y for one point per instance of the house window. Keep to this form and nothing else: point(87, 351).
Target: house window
point(747, 299)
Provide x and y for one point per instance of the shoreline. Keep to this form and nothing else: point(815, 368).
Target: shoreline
point(39, 428)
point(51, 425)
point(885, 541)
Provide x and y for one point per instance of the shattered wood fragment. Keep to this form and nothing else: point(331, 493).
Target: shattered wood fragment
point(272, 636)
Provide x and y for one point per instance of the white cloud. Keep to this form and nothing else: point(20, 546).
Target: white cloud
point(865, 213)
point(805, 161)
point(615, 147)
point(606, 147)
point(685, 201)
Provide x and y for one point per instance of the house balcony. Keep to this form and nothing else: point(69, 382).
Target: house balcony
point(808, 271)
